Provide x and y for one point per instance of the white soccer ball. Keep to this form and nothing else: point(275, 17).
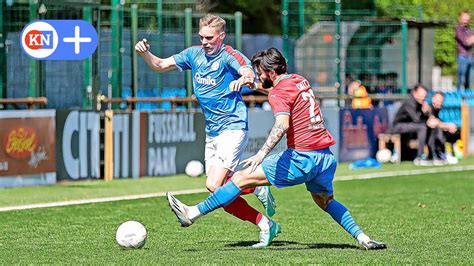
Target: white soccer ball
point(131, 234)
point(194, 168)
point(383, 156)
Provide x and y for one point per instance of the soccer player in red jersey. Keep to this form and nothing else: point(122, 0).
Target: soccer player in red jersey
point(307, 160)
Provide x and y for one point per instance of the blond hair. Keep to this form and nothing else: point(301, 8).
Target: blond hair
point(212, 21)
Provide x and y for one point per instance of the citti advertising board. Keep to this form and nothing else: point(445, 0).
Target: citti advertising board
point(78, 150)
point(27, 152)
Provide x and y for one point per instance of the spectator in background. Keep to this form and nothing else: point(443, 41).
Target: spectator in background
point(464, 41)
point(437, 138)
point(361, 98)
point(411, 117)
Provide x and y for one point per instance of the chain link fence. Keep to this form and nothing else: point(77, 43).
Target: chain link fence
point(114, 69)
point(336, 44)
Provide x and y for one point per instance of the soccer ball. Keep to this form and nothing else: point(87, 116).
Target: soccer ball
point(194, 168)
point(131, 234)
point(383, 155)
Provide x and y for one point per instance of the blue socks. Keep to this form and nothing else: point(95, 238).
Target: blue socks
point(341, 215)
point(229, 192)
point(221, 197)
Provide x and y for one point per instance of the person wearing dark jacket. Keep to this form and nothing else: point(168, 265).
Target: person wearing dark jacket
point(439, 131)
point(411, 117)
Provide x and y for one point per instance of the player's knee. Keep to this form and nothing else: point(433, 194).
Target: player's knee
point(238, 179)
point(212, 186)
point(322, 200)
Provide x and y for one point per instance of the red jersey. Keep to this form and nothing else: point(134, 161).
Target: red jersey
point(294, 96)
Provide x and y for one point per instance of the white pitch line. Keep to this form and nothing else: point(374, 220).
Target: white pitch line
point(97, 200)
point(407, 172)
point(192, 191)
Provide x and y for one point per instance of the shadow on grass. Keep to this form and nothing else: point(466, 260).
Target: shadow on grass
point(293, 245)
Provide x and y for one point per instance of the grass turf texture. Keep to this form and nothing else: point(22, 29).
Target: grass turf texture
point(75, 190)
point(423, 219)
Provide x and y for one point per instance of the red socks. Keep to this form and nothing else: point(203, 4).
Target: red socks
point(242, 210)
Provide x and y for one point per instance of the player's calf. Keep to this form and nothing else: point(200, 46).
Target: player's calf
point(322, 200)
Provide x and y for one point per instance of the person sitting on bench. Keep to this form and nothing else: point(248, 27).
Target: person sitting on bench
point(411, 118)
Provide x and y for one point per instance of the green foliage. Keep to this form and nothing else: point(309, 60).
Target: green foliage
point(445, 51)
point(447, 11)
point(259, 16)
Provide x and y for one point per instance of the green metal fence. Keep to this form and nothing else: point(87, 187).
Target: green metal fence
point(114, 69)
point(335, 45)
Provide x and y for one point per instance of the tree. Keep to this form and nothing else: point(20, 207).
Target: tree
point(259, 16)
point(448, 11)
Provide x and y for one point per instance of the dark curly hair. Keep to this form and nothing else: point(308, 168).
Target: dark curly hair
point(270, 59)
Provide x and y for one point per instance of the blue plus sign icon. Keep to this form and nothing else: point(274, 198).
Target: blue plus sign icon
point(59, 39)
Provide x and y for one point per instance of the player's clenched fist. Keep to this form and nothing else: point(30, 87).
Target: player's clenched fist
point(142, 46)
point(236, 85)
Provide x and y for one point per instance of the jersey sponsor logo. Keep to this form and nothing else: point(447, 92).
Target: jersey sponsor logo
point(215, 66)
point(59, 39)
point(303, 85)
point(204, 80)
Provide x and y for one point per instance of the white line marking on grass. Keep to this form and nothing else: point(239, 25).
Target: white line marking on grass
point(193, 191)
point(406, 172)
point(97, 200)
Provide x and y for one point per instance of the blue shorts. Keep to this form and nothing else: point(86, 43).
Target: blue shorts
point(291, 167)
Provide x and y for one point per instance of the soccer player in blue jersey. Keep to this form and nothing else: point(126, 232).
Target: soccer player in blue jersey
point(219, 72)
point(307, 160)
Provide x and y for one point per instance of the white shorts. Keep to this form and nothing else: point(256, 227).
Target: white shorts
point(225, 149)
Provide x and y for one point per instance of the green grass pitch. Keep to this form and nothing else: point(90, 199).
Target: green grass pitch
point(422, 218)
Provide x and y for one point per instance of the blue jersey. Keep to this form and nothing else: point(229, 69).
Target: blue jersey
point(223, 109)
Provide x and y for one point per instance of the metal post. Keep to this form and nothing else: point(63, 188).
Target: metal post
point(420, 54)
point(465, 127)
point(96, 66)
point(159, 36)
point(284, 26)
point(300, 18)
point(33, 65)
point(238, 30)
point(87, 67)
point(404, 56)
point(108, 145)
point(337, 14)
point(134, 40)
point(188, 28)
point(3, 72)
point(116, 47)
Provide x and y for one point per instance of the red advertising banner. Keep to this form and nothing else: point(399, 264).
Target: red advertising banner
point(27, 142)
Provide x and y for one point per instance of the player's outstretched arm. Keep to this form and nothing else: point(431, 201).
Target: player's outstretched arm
point(154, 62)
point(282, 123)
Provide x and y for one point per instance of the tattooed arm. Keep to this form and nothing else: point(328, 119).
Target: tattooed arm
point(282, 123)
